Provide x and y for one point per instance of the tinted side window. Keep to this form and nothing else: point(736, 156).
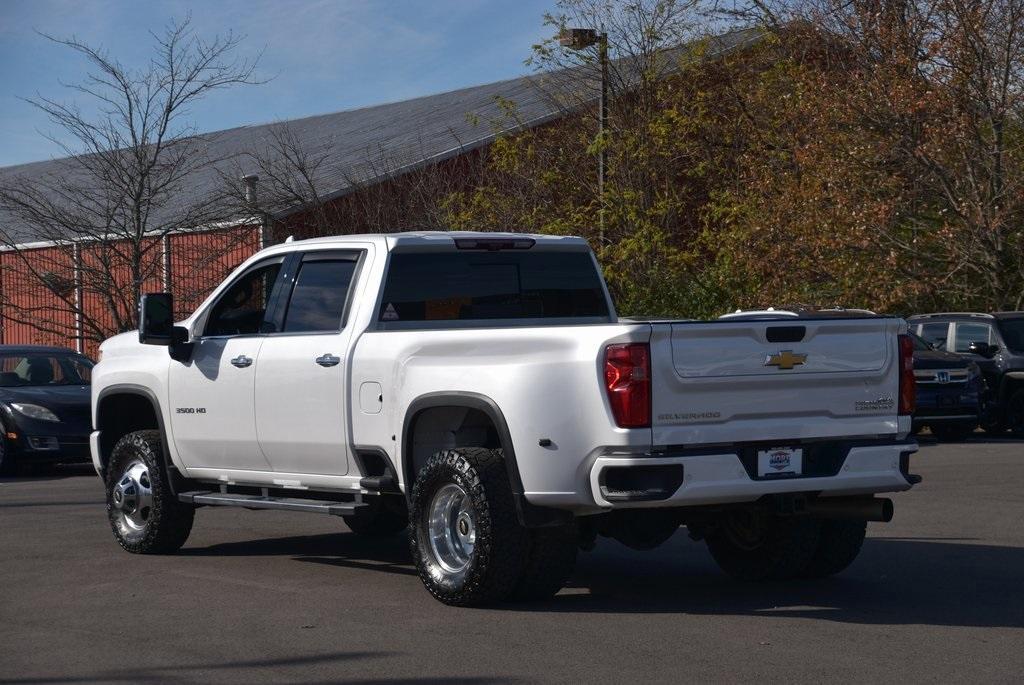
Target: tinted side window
point(451, 286)
point(1013, 333)
point(240, 310)
point(966, 333)
point(936, 334)
point(318, 299)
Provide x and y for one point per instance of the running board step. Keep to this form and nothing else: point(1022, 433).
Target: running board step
point(230, 499)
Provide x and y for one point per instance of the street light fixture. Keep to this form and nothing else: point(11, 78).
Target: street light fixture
point(581, 39)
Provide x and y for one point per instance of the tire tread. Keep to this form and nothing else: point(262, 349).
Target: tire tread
point(171, 522)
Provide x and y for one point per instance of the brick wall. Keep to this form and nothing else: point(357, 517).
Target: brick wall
point(39, 287)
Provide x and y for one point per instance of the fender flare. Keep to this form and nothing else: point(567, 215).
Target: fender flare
point(150, 396)
point(529, 514)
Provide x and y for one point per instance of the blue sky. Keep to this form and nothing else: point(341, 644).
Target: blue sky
point(323, 55)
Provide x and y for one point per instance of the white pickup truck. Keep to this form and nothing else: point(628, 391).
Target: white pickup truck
point(479, 389)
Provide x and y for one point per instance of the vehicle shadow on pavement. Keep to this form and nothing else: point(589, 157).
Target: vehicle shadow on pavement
point(44, 472)
point(258, 669)
point(388, 554)
point(930, 581)
point(895, 581)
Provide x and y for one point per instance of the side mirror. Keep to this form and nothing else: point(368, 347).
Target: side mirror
point(156, 319)
point(983, 349)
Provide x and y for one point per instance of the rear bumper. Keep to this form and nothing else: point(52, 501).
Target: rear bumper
point(722, 478)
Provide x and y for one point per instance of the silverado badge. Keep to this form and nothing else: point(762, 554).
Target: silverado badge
point(786, 359)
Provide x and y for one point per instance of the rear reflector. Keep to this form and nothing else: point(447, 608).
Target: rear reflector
point(627, 379)
point(908, 386)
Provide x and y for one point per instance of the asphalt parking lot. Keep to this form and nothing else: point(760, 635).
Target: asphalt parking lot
point(937, 595)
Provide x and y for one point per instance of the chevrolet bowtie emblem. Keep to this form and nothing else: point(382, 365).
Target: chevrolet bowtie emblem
point(786, 359)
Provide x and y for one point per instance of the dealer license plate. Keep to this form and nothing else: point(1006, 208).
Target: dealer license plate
point(780, 461)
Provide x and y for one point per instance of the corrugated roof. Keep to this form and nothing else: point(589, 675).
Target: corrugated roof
point(363, 143)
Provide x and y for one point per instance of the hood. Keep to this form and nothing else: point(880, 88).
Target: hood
point(68, 402)
point(939, 359)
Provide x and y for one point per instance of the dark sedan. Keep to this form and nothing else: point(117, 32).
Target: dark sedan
point(44, 405)
point(949, 392)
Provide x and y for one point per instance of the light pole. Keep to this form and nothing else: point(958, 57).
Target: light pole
point(580, 39)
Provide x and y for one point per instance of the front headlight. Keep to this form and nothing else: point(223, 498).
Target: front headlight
point(973, 370)
point(34, 411)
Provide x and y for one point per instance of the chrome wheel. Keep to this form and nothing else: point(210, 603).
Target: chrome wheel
point(132, 499)
point(451, 529)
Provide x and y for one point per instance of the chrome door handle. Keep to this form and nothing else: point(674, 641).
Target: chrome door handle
point(328, 360)
point(241, 361)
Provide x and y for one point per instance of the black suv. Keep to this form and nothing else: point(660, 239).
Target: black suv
point(996, 343)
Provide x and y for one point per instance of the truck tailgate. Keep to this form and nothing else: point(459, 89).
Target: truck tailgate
point(778, 380)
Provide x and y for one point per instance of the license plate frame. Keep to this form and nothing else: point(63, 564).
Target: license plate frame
point(780, 462)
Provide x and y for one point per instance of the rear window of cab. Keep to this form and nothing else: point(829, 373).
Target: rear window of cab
point(475, 286)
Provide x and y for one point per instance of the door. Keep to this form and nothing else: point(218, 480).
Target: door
point(301, 378)
point(211, 395)
point(936, 333)
point(967, 332)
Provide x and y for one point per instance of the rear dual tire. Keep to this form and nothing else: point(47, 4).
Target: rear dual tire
point(750, 545)
point(383, 516)
point(466, 539)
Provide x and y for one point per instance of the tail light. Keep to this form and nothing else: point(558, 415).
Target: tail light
point(908, 388)
point(627, 379)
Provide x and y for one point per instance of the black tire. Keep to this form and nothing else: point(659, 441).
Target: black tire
point(551, 560)
point(952, 432)
point(506, 560)
point(8, 465)
point(751, 545)
point(383, 516)
point(1015, 413)
point(839, 544)
point(993, 425)
point(166, 525)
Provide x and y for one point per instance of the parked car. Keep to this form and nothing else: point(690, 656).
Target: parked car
point(480, 388)
point(44, 405)
point(995, 342)
point(949, 392)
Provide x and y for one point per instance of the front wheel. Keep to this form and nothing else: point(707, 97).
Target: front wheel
point(466, 540)
point(1015, 413)
point(992, 423)
point(749, 544)
point(952, 432)
point(144, 514)
point(8, 467)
